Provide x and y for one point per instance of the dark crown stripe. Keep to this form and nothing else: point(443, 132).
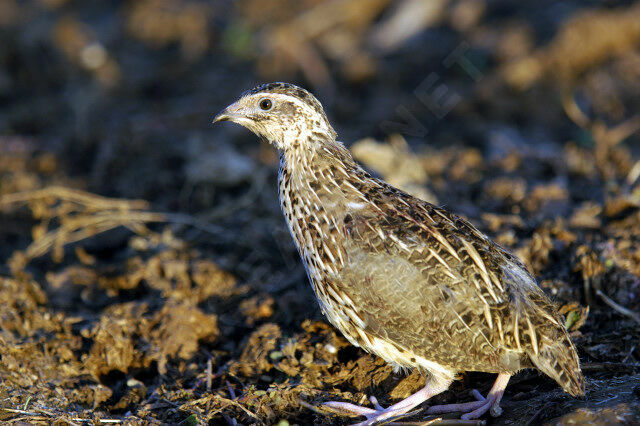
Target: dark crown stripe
point(288, 89)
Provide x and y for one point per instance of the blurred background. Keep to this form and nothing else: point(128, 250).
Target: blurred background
point(521, 116)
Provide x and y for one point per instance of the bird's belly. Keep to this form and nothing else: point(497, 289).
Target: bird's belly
point(422, 345)
point(342, 314)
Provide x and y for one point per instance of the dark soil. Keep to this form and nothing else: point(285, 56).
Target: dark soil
point(176, 295)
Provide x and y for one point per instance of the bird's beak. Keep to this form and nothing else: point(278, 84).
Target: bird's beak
point(230, 113)
point(222, 116)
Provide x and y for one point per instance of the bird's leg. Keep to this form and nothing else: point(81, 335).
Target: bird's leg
point(477, 408)
point(378, 413)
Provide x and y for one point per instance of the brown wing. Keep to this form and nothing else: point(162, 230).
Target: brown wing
point(434, 284)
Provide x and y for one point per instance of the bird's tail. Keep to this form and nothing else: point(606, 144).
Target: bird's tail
point(558, 359)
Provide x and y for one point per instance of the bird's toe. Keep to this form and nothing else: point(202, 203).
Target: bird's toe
point(350, 408)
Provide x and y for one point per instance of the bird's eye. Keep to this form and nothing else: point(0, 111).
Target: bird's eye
point(265, 104)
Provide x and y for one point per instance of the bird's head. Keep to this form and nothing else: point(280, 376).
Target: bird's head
point(284, 114)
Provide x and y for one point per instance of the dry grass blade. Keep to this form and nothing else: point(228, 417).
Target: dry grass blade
point(32, 416)
point(72, 195)
point(79, 215)
point(229, 402)
point(79, 228)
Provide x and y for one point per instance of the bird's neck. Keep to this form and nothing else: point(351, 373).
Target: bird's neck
point(312, 196)
point(310, 153)
point(311, 161)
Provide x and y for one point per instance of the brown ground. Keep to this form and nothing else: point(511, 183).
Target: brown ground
point(191, 306)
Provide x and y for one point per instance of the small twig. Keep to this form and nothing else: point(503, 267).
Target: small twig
point(51, 415)
point(231, 402)
point(26, 404)
point(626, 358)
point(622, 131)
point(311, 407)
point(73, 195)
point(537, 413)
point(444, 422)
point(209, 374)
point(240, 203)
point(23, 412)
point(607, 400)
point(608, 366)
point(232, 392)
point(601, 133)
point(184, 219)
point(620, 309)
point(574, 112)
point(230, 421)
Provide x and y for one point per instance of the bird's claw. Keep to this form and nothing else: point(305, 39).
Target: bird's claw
point(473, 409)
point(373, 416)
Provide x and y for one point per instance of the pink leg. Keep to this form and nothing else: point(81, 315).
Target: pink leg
point(378, 414)
point(477, 408)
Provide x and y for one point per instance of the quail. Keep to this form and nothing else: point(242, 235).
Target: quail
point(399, 277)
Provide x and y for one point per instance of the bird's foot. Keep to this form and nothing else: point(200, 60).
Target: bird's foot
point(472, 410)
point(373, 415)
point(401, 409)
point(476, 409)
